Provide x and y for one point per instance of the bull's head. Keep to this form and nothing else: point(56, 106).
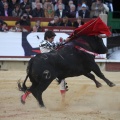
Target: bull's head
point(91, 43)
point(96, 43)
point(101, 48)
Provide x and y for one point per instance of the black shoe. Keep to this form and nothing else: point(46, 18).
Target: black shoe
point(66, 88)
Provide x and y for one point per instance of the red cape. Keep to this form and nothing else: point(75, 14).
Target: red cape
point(92, 27)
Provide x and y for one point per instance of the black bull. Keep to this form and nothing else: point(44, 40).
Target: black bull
point(65, 62)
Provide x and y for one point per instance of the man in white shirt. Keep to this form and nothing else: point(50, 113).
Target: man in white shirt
point(60, 12)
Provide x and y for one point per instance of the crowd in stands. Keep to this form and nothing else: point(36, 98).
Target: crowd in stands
point(59, 10)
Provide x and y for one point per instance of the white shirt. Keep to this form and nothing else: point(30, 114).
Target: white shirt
point(45, 46)
point(60, 13)
point(6, 14)
point(63, 85)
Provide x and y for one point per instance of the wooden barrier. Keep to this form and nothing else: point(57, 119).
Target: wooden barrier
point(60, 29)
point(20, 63)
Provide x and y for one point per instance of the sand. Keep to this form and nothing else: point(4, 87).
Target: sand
point(83, 100)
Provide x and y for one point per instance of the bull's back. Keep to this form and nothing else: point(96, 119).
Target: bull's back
point(71, 61)
point(43, 62)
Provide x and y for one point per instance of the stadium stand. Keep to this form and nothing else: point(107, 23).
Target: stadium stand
point(44, 21)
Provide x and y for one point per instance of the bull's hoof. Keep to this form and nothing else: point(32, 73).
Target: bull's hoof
point(98, 85)
point(22, 100)
point(42, 106)
point(111, 84)
point(58, 81)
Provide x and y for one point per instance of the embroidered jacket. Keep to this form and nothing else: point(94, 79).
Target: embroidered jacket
point(46, 46)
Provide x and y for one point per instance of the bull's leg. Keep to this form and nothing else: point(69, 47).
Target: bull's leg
point(92, 77)
point(24, 96)
point(58, 80)
point(28, 91)
point(38, 95)
point(43, 81)
point(37, 92)
point(95, 68)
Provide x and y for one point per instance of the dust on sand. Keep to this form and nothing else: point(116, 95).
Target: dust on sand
point(83, 100)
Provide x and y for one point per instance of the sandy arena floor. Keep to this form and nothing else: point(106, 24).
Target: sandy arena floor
point(83, 100)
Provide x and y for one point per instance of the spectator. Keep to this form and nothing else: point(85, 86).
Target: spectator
point(25, 21)
point(72, 12)
point(28, 11)
point(49, 13)
point(34, 29)
point(1, 22)
point(96, 9)
point(17, 11)
point(54, 2)
point(65, 22)
point(65, 2)
point(109, 4)
point(84, 13)
point(60, 12)
point(7, 11)
point(87, 2)
point(12, 4)
point(93, 1)
point(34, 4)
point(59, 2)
point(17, 28)
point(54, 22)
point(80, 6)
point(106, 8)
point(38, 11)
point(2, 5)
point(4, 27)
point(43, 1)
point(24, 4)
point(47, 2)
point(75, 2)
point(37, 24)
point(78, 22)
point(69, 4)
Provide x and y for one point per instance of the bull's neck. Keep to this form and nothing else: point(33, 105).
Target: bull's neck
point(83, 43)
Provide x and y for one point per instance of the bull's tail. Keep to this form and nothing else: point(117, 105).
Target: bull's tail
point(23, 87)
